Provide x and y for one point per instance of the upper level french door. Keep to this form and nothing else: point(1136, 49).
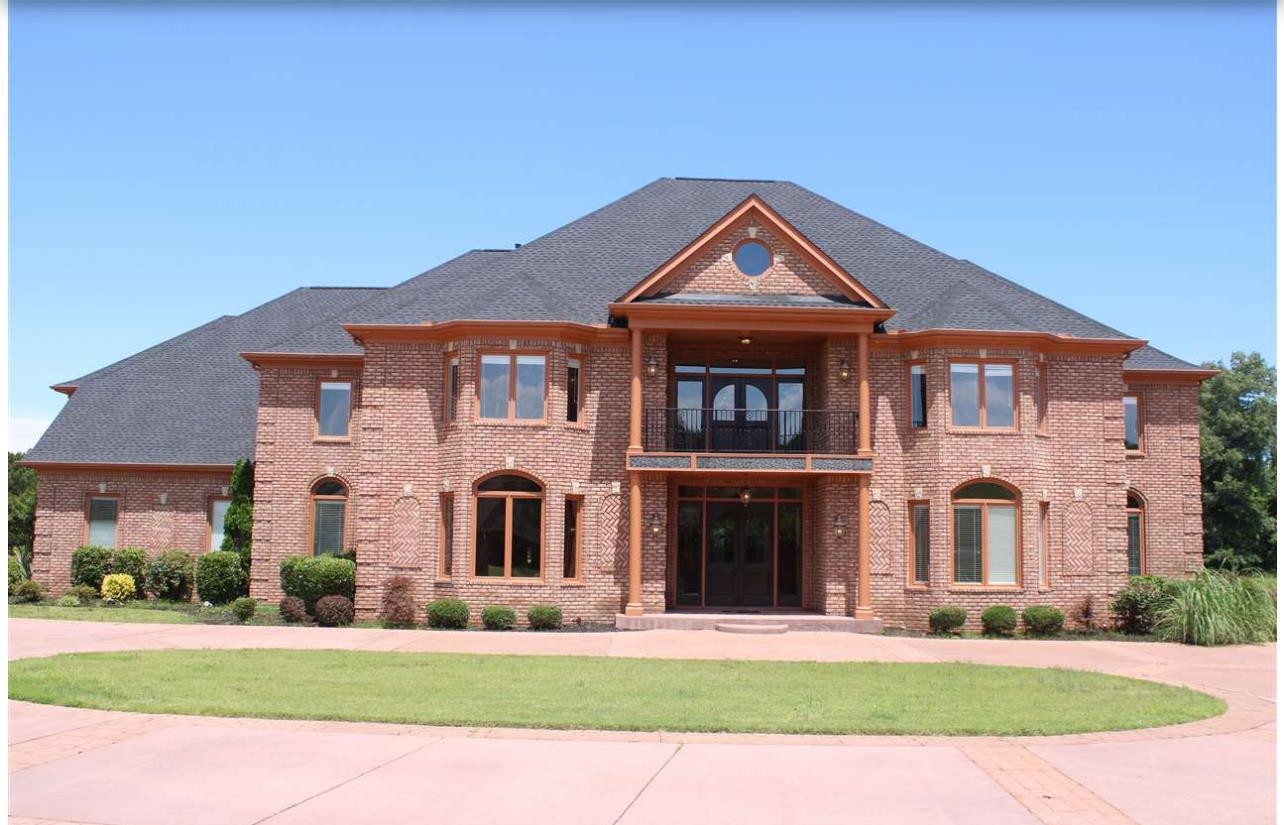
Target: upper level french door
point(735, 408)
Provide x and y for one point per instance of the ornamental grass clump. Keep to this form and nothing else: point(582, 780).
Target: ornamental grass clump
point(448, 614)
point(1216, 608)
point(1042, 620)
point(999, 620)
point(118, 587)
point(947, 619)
point(498, 617)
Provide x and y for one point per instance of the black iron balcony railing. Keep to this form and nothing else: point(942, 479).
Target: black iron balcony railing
point(710, 430)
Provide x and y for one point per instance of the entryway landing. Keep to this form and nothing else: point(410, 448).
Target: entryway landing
point(709, 620)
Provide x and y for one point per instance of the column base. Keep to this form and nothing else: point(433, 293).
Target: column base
point(632, 609)
point(863, 613)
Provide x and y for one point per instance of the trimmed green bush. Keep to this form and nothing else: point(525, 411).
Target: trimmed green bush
point(334, 611)
point(1137, 606)
point(83, 593)
point(131, 561)
point(1216, 608)
point(311, 577)
point(169, 576)
point(946, 619)
point(498, 617)
point(999, 620)
point(244, 607)
point(119, 587)
point(292, 610)
point(90, 565)
point(68, 601)
point(398, 606)
point(448, 614)
point(27, 591)
point(1041, 620)
point(220, 577)
point(544, 617)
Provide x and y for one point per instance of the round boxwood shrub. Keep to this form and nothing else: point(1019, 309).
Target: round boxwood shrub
point(83, 592)
point(244, 607)
point(946, 619)
point(1042, 620)
point(292, 610)
point(448, 614)
point(334, 611)
point(398, 606)
point(544, 617)
point(311, 577)
point(68, 601)
point(27, 591)
point(999, 620)
point(498, 617)
point(119, 587)
point(169, 576)
point(220, 577)
point(132, 561)
point(90, 565)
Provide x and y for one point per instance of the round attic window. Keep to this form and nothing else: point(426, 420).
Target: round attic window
point(752, 258)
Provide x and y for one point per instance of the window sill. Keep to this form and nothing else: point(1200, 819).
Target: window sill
point(573, 582)
point(510, 422)
point(984, 588)
point(321, 439)
point(983, 430)
point(917, 588)
point(443, 580)
point(1134, 453)
point(507, 580)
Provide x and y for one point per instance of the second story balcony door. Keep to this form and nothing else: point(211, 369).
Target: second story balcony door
point(741, 414)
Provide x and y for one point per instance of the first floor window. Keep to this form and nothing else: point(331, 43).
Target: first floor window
point(218, 513)
point(921, 542)
point(571, 533)
point(510, 527)
point(1136, 535)
point(985, 534)
point(1045, 551)
point(982, 394)
point(329, 517)
point(918, 395)
point(102, 522)
point(447, 562)
point(1132, 422)
point(334, 409)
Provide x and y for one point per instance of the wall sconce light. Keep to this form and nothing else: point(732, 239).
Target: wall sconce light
point(745, 495)
point(746, 340)
point(844, 369)
point(840, 526)
point(652, 367)
point(655, 524)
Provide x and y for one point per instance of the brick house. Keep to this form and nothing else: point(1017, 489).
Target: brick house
point(709, 395)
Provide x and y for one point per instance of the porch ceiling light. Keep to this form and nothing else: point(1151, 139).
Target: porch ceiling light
point(652, 367)
point(746, 340)
point(745, 495)
point(655, 523)
point(844, 369)
point(840, 526)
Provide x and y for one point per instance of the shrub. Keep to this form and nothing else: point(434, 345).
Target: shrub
point(1041, 620)
point(83, 593)
point(169, 576)
point(448, 614)
point(292, 610)
point(998, 620)
point(244, 607)
point(1138, 605)
point(119, 587)
point(132, 562)
point(334, 611)
point(90, 565)
point(398, 606)
point(68, 601)
point(28, 590)
point(311, 577)
point(946, 619)
point(17, 573)
point(498, 617)
point(544, 617)
point(220, 577)
point(1084, 614)
point(1216, 608)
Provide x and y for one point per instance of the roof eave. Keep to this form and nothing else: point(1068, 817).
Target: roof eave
point(122, 466)
point(1169, 376)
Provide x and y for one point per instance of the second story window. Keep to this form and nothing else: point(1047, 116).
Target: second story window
point(452, 388)
point(512, 387)
point(574, 373)
point(1041, 398)
point(982, 395)
point(918, 395)
point(1132, 423)
point(334, 409)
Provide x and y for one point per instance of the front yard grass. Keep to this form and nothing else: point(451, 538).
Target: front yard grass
point(571, 692)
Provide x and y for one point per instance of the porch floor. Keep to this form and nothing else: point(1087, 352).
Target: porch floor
point(706, 619)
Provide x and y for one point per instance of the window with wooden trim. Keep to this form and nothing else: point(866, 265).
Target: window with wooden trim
point(102, 517)
point(329, 517)
point(218, 514)
point(920, 543)
point(986, 535)
point(1136, 513)
point(512, 387)
point(446, 562)
point(1133, 423)
point(1041, 398)
point(334, 409)
point(1045, 550)
point(572, 536)
point(452, 388)
point(982, 395)
point(574, 383)
point(918, 395)
point(508, 541)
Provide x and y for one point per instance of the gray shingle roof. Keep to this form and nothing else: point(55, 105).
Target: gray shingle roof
point(190, 400)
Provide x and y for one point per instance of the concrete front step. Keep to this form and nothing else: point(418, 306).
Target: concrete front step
point(710, 621)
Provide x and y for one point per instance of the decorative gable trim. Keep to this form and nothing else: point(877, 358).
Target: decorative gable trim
point(754, 208)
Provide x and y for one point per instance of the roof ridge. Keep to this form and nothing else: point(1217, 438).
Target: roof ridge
point(733, 180)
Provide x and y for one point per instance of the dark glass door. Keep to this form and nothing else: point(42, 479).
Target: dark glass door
point(741, 417)
point(738, 548)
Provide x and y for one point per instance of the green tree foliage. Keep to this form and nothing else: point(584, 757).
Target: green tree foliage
point(238, 525)
point(22, 507)
point(1237, 446)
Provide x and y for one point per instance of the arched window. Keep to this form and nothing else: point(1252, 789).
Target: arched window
point(1136, 510)
point(329, 516)
point(987, 529)
point(509, 535)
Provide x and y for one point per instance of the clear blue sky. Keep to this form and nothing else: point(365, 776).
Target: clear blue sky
point(172, 165)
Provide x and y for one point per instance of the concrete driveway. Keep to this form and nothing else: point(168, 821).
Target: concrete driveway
point(81, 766)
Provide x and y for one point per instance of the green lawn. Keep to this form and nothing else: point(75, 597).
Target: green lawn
point(97, 613)
point(607, 693)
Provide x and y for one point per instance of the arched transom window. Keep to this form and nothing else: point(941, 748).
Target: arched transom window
point(987, 527)
point(510, 527)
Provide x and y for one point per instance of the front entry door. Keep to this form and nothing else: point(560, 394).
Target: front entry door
point(738, 549)
point(741, 421)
